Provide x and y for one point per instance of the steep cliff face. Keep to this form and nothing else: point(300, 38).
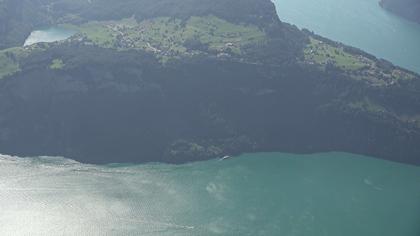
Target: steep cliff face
point(182, 85)
point(409, 9)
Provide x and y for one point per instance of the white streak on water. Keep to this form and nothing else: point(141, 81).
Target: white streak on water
point(56, 196)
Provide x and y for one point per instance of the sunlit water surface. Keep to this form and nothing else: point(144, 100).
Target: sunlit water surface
point(360, 23)
point(49, 35)
point(256, 194)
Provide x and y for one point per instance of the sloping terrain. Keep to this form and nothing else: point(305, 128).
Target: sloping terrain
point(175, 84)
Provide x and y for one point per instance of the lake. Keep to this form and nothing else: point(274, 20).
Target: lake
point(255, 194)
point(48, 35)
point(359, 23)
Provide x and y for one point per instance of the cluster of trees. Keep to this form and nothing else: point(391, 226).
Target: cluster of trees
point(18, 19)
point(194, 43)
point(284, 44)
point(106, 105)
point(246, 11)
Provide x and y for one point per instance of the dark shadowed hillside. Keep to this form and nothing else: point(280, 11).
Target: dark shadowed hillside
point(179, 81)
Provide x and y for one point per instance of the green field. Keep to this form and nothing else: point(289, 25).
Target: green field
point(358, 67)
point(57, 64)
point(321, 53)
point(171, 37)
point(165, 37)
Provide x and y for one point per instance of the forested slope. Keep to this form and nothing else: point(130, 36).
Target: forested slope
point(216, 78)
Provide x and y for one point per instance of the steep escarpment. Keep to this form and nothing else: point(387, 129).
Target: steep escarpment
point(176, 88)
point(409, 9)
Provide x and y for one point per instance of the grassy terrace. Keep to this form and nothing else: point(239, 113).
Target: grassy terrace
point(166, 37)
point(357, 66)
point(321, 53)
point(170, 37)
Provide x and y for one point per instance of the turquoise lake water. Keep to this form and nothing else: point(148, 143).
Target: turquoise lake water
point(48, 35)
point(327, 194)
point(359, 23)
point(259, 194)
